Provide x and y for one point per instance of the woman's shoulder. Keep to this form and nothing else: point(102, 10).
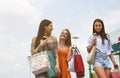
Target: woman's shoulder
point(54, 38)
point(34, 39)
point(107, 35)
point(71, 47)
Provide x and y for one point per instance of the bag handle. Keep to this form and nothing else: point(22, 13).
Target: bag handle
point(77, 51)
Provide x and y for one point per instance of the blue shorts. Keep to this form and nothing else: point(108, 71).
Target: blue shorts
point(101, 59)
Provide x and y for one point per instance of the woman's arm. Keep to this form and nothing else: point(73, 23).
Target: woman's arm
point(112, 58)
point(113, 61)
point(56, 45)
point(70, 53)
point(57, 69)
point(89, 48)
point(57, 60)
point(92, 42)
point(33, 50)
point(39, 47)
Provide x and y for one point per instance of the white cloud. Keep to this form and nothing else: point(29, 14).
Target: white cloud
point(7, 69)
point(6, 57)
point(16, 14)
point(17, 7)
point(110, 18)
point(40, 4)
point(9, 63)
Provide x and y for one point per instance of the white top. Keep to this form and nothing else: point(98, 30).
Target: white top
point(105, 48)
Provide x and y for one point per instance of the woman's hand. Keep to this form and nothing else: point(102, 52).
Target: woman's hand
point(57, 70)
point(43, 42)
point(115, 66)
point(34, 51)
point(69, 56)
point(94, 39)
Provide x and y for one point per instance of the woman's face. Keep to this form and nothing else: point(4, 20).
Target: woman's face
point(64, 35)
point(49, 28)
point(98, 26)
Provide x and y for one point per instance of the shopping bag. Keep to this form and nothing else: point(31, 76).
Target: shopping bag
point(91, 56)
point(78, 63)
point(115, 73)
point(39, 62)
point(71, 62)
point(51, 72)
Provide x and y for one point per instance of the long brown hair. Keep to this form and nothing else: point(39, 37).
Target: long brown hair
point(41, 30)
point(68, 40)
point(102, 32)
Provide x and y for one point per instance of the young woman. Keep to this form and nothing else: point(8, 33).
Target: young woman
point(103, 45)
point(64, 53)
point(44, 41)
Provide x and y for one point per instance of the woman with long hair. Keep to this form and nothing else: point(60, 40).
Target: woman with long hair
point(44, 41)
point(64, 53)
point(101, 40)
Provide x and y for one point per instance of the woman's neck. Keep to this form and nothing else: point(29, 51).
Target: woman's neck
point(47, 35)
point(62, 43)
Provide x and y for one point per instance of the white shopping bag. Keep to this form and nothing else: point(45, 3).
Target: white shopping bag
point(71, 63)
point(39, 62)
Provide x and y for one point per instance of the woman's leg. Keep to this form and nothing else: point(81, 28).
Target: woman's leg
point(100, 72)
point(107, 72)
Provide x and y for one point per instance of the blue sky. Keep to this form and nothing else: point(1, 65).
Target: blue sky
point(20, 20)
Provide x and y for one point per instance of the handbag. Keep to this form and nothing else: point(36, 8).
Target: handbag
point(91, 56)
point(71, 64)
point(51, 72)
point(78, 64)
point(115, 74)
point(39, 62)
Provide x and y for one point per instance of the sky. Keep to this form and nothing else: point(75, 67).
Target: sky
point(19, 22)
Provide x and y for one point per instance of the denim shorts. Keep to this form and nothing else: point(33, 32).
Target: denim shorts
point(101, 59)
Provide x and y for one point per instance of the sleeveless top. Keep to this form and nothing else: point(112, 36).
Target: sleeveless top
point(50, 47)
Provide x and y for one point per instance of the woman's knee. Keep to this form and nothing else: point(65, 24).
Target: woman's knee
point(100, 72)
